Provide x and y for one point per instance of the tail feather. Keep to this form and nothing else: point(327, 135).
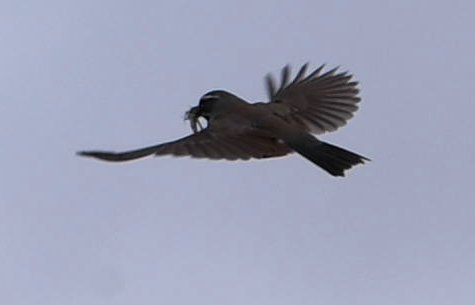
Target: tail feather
point(333, 159)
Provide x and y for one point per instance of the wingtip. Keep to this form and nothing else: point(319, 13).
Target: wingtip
point(270, 84)
point(84, 153)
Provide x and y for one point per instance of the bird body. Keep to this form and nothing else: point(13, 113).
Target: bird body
point(237, 129)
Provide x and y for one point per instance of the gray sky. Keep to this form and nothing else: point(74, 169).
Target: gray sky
point(120, 75)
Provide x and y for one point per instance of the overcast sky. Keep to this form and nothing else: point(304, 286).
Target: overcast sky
point(119, 75)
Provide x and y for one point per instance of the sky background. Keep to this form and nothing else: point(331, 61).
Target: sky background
point(119, 75)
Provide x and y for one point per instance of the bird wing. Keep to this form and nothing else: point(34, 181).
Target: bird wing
point(316, 102)
point(217, 141)
point(224, 144)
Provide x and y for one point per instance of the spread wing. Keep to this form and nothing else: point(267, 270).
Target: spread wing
point(316, 102)
point(217, 141)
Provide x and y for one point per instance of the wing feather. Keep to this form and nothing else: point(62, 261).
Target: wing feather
point(318, 102)
point(213, 142)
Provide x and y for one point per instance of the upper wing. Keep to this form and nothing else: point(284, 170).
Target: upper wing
point(317, 102)
point(214, 142)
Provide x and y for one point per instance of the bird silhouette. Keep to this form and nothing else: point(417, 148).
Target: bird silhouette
point(309, 104)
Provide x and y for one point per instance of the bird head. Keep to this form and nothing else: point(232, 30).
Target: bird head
point(209, 105)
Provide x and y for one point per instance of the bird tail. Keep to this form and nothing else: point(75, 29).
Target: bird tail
point(335, 160)
point(122, 156)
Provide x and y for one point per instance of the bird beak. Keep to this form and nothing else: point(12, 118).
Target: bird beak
point(193, 116)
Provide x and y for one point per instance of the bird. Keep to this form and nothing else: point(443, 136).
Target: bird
point(298, 110)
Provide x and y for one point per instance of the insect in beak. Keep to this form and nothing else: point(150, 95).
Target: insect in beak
point(193, 116)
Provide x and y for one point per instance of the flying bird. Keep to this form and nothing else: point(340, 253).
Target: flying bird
point(238, 130)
